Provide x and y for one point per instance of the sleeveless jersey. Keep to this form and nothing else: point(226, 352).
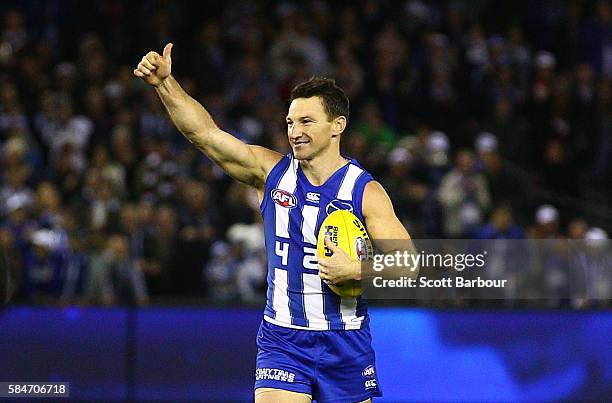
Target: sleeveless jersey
point(293, 210)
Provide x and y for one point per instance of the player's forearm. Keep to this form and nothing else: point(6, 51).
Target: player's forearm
point(187, 114)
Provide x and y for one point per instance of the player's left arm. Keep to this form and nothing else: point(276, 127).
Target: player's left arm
point(386, 232)
point(380, 219)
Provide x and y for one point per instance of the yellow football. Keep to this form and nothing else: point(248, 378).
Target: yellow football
point(348, 233)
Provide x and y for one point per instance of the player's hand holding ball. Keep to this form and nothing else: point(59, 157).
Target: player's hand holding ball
point(342, 245)
point(339, 268)
point(154, 68)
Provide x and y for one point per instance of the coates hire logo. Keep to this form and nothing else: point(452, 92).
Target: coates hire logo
point(283, 198)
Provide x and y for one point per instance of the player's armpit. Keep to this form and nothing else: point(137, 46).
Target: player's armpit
point(386, 231)
point(249, 164)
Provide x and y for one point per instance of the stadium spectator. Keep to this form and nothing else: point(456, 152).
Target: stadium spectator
point(44, 268)
point(160, 249)
point(219, 274)
point(501, 226)
point(546, 223)
point(79, 136)
point(593, 261)
point(373, 128)
point(502, 176)
point(114, 277)
point(464, 196)
point(577, 229)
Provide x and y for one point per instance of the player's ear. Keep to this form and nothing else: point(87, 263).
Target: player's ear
point(338, 125)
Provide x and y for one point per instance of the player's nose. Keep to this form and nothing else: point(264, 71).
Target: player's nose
point(295, 133)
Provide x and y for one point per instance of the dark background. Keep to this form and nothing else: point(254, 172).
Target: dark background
point(105, 207)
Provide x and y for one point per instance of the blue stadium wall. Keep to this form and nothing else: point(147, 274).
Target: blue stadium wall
point(175, 354)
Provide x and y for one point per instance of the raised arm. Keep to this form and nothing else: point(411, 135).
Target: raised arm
point(246, 163)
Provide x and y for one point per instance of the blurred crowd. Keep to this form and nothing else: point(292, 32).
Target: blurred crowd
point(482, 119)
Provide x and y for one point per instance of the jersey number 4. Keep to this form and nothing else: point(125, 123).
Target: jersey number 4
point(310, 255)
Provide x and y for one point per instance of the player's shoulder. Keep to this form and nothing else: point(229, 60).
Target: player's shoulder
point(375, 197)
point(267, 158)
point(363, 174)
point(355, 162)
point(267, 161)
point(375, 189)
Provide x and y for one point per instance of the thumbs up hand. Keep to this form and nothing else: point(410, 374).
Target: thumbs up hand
point(155, 68)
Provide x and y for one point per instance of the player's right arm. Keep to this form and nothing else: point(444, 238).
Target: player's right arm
point(249, 164)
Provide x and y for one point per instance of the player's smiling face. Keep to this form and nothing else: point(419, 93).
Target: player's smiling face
point(309, 129)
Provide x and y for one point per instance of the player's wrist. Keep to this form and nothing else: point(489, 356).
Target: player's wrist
point(356, 270)
point(164, 84)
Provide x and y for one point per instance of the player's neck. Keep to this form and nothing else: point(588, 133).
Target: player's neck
point(319, 169)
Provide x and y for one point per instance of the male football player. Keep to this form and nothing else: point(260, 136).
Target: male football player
point(312, 344)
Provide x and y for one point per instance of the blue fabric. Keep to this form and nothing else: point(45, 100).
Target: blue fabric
point(331, 366)
point(327, 194)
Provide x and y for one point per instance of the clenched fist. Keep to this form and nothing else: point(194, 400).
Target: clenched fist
point(153, 68)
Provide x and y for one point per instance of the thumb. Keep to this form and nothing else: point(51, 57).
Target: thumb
point(167, 52)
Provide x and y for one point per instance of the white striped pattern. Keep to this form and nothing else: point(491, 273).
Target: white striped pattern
point(312, 285)
point(348, 312)
point(313, 302)
point(313, 294)
point(287, 183)
point(348, 306)
point(348, 183)
point(280, 300)
point(309, 224)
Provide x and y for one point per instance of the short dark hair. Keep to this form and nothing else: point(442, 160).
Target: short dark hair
point(335, 101)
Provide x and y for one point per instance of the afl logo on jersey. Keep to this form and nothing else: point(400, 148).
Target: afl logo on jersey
point(369, 372)
point(338, 205)
point(284, 198)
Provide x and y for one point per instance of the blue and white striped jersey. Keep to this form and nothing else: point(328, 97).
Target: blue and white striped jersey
point(293, 210)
